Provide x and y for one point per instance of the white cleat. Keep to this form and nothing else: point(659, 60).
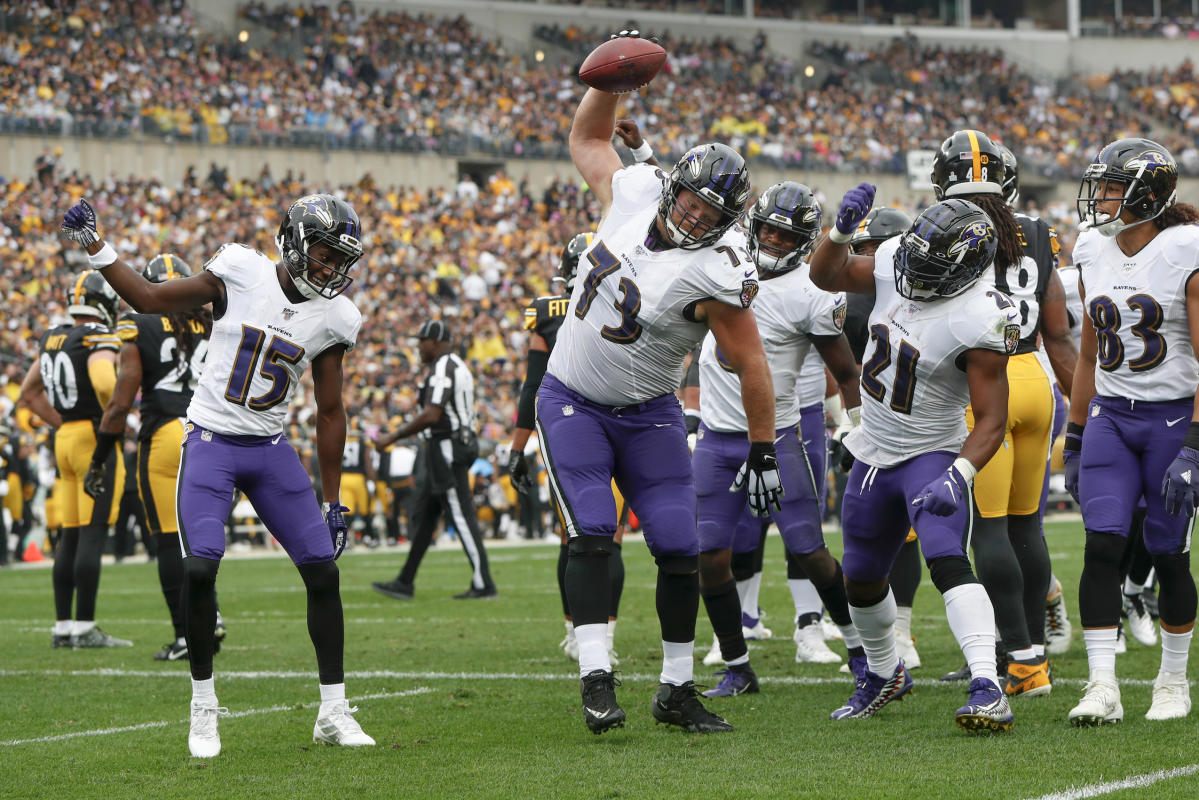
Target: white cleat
point(612, 659)
point(1171, 697)
point(204, 740)
point(905, 647)
point(1057, 625)
point(810, 647)
point(334, 725)
point(1100, 704)
point(1140, 624)
point(831, 631)
point(570, 645)
point(1121, 641)
point(757, 632)
point(713, 656)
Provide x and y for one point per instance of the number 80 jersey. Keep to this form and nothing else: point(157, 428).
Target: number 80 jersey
point(628, 328)
point(914, 386)
point(261, 345)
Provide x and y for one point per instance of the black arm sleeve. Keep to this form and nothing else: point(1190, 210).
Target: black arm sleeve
point(526, 411)
point(691, 376)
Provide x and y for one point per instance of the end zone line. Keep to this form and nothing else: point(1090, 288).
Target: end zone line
point(1135, 782)
point(233, 715)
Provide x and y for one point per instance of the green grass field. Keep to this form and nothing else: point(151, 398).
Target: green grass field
point(473, 699)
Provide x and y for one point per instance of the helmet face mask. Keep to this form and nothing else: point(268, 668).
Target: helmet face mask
point(568, 264)
point(718, 178)
point(1138, 176)
point(783, 226)
point(91, 296)
point(946, 250)
point(967, 162)
point(1011, 178)
point(313, 220)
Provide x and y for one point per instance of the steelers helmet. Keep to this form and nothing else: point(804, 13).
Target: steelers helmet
point(91, 296)
point(166, 267)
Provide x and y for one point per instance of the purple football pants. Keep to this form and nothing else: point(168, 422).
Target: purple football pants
point(815, 444)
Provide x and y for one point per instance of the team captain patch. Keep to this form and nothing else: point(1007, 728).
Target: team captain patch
point(1011, 338)
point(749, 290)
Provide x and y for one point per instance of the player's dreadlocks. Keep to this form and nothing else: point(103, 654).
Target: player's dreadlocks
point(189, 328)
point(1177, 214)
point(1010, 251)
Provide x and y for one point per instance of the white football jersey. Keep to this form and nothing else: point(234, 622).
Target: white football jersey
point(261, 345)
point(1076, 316)
point(1137, 304)
point(812, 383)
point(628, 328)
point(914, 387)
point(789, 308)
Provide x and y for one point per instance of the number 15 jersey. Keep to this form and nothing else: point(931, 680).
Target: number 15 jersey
point(914, 387)
point(261, 345)
point(629, 325)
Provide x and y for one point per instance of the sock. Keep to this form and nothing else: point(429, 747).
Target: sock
point(331, 694)
point(742, 591)
point(875, 626)
point(1174, 651)
point(180, 641)
point(903, 623)
point(1038, 650)
point(972, 620)
point(570, 629)
point(750, 604)
point(593, 648)
point(1023, 654)
point(204, 692)
point(82, 626)
point(853, 640)
point(678, 662)
point(805, 597)
point(610, 634)
point(63, 627)
point(1101, 652)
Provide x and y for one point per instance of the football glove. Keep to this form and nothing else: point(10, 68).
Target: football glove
point(943, 495)
point(93, 481)
point(633, 34)
point(518, 471)
point(1072, 459)
point(1180, 487)
point(79, 224)
point(855, 205)
point(337, 526)
point(760, 478)
point(838, 453)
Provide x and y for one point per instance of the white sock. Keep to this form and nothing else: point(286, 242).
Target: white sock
point(83, 626)
point(63, 627)
point(1131, 588)
point(743, 659)
point(750, 606)
point(903, 623)
point(570, 629)
point(804, 595)
point(1101, 652)
point(875, 626)
point(851, 636)
point(593, 647)
point(1038, 650)
point(181, 642)
point(204, 692)
point(972, 620)
point(1174, 651)
point(678, 662)
point(610, 634)
point(332, 693)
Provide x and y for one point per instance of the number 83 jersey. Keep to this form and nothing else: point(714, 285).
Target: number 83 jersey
point(261, 345)
point(629, 325)
point(1137, 304)
point(914, 386)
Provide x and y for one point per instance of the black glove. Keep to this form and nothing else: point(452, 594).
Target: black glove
point(760, 478)
point(93, 482)
point(518, 471)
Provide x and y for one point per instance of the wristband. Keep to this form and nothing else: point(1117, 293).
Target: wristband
point(1192, 439)
point(838, 237)
point(643, 153)
point(1073, 443)
point(966, 468)
point(833, 406)
point(105, 442)
point(103, 257)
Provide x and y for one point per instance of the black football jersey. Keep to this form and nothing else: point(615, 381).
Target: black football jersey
point(545, 315)
point(1026, 282)
point(354, 455)
point(167, 383)
point(63, 364)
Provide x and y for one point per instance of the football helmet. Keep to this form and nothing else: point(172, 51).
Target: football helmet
point(1148, 174)
point(968, 162)
point(166, 267)
point(880, 225)
point(719, 176)
point(1011, 176)
point(790, 207)
point(945, 251)
point(323, 219)
point(91, 296)
point(568, 265)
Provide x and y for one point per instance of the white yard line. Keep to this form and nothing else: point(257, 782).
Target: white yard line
point(1135, 782)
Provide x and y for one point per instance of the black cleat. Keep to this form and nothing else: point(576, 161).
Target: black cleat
point(397, 589)
point(962, 674)
point(600, 710)
point(60, 640)
point(172, 651)
point(473, 593)
point(219, 634)
point(680, 705)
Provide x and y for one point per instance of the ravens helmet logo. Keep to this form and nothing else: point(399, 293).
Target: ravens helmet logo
point(973, 237)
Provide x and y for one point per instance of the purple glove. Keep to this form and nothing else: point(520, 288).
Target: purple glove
point(1180, 487)
point(944, 494)
point(1072, 458)
point(855, 205)
point(79, 224)
point(337, 526)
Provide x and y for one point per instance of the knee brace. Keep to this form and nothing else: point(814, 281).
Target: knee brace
point(674, 564)
point(199, 570)
point(949, 572)
point(322, 576)
point(1104, 548)
point(743, 566)
point(1177, 598)
point(593, 546)
point(1099, 589)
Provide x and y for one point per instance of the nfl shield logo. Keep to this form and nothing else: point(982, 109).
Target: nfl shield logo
point(288, 313)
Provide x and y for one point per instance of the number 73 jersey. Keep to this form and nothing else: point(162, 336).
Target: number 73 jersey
point(628, 328)
point(914, 386)
point(261, 345)
point(1138, 306)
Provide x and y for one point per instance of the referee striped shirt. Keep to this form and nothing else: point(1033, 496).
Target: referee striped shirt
point(450, 385)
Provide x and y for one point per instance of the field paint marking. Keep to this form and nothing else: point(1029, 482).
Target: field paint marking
point(1135, 782)
point(247, 713)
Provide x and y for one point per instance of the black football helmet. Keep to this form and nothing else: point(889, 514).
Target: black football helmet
point(1148, 174)
point(790, 207)
point(720, 177)
point(947, 249)
point(1011, 176)
point(91, 296)
point(166, 267)
point(323, 219)
point(568, 265)
point(880, 225)
point(968, 162)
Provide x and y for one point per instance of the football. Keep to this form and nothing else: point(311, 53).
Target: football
point(622, 65)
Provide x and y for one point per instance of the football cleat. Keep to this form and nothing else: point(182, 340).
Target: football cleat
point(737, 680)
point(756, 632)
point(1140, 624)
point(569, 644)
point(219, 633)
point(335, 725)
point(830, 629)
point(1149, 601)
point(874, 692)
point(1121, 641)
point(810, 647)
point(172, 651)
point(1029, 678)
point(713, 656)
point(204, 740)
point(474, 594)
point(680, 705)
point(960, 674)
point(60, 640)
point(1171, 696)
point(600, 710)
point(98, 638)
point(1100, 704)
point(397, 589)
point(905, 647)
point(986, 709)
point(1057, 625)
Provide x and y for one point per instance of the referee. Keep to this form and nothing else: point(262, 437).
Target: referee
point(446, 424)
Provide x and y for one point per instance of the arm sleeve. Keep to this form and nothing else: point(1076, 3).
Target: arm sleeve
point(526, 412)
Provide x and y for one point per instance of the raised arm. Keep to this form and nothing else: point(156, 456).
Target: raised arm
point(833, 268)
point(591, 144)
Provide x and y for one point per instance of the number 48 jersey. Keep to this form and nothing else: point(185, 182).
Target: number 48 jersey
point(629, 325)
point(914, 387)
point(261, 345)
